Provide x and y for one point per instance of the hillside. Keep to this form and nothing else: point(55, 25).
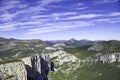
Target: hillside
point(20, 48)
point(71, 42)
point(91, 63)
point(95, 61)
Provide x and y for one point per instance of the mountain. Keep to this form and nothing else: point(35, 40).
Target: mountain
point(74, 42)
point(60, 60)
point(71, 43)
point(53, 42)
point(92, 65)
point(20, 48)
point(7, 39)
point(106, 46)
point(13, 71)
point(33, 67)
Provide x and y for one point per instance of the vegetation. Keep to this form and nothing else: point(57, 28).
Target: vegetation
point(87, 70)
point(81, 52)
point(9, 76)
point(7, 53)
point(9, 61)
point(109, 46)
point(91, 71)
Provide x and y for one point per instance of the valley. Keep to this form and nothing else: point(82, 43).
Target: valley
point(90, 60)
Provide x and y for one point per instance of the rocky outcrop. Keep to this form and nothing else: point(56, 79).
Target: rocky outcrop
point(109, 58)
point(13, 71)
point(112, 46)
point(67, 62)
point(37, 67)
point(74, 42)
point(96, 47)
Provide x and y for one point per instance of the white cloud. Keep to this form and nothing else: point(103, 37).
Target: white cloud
point(107, 20)
point(6, 17)
point(6, 5)
point(7, 27)
point(115, 20)
point(10, 5)
point(39, 16)
point(102, 20)
point(25, 11)
point(18, 25)
point(105, 1)
point(41, 23)
point(63, 14)
point(85, 16)
point(45, 2)
point(54, 15)
point(115, 14)
point(80, 4)
point(22, 6)
point(4, 8)
point(82, 8)
point(59, 26)
point(57, 16)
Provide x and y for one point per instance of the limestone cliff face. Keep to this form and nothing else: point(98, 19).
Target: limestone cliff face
point(13, 71)
point(67, 63)
point(112, 45)
point(37, 68)
point(109, 58)
point(96, 47)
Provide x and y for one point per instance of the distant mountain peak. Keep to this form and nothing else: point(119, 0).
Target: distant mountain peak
point(72, 40)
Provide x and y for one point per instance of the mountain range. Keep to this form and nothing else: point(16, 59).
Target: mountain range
point(59, 60)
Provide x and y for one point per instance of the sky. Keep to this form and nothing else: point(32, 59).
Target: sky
point(60, 19)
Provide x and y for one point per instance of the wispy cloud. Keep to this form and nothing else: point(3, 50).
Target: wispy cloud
point(107, 20)
point(63, 14)
point(7, 27)
point(45, 2)
point(115, 14)
point(59, 26)
point(7, 5)
point(82, 8)
point(84, 16)
point(19, 25)
point(6, 17)
point(26, 9)
point(40, 18)
point(105, 1)
point(57, 16)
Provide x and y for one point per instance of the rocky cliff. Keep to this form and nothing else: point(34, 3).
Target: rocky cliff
point(109, 58)
point(111, 46)
point(37, 67)
point(13, 71)
point(33, 67)
point(96, 47)
point(64, 62)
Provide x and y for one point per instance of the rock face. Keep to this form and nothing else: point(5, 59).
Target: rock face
point(96, 47)
point(112, 45)
point(37, 68)
point(67, 62)
point(13, 71)
point(109, 58)
point(30, 68)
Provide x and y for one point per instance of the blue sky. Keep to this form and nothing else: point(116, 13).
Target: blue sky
point(60, 19)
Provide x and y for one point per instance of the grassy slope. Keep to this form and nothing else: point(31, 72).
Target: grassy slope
point(81, 52)
point(96, 71)
point(89, 71)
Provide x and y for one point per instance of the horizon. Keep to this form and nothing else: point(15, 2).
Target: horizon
point(59, 39)
point(60, 19)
